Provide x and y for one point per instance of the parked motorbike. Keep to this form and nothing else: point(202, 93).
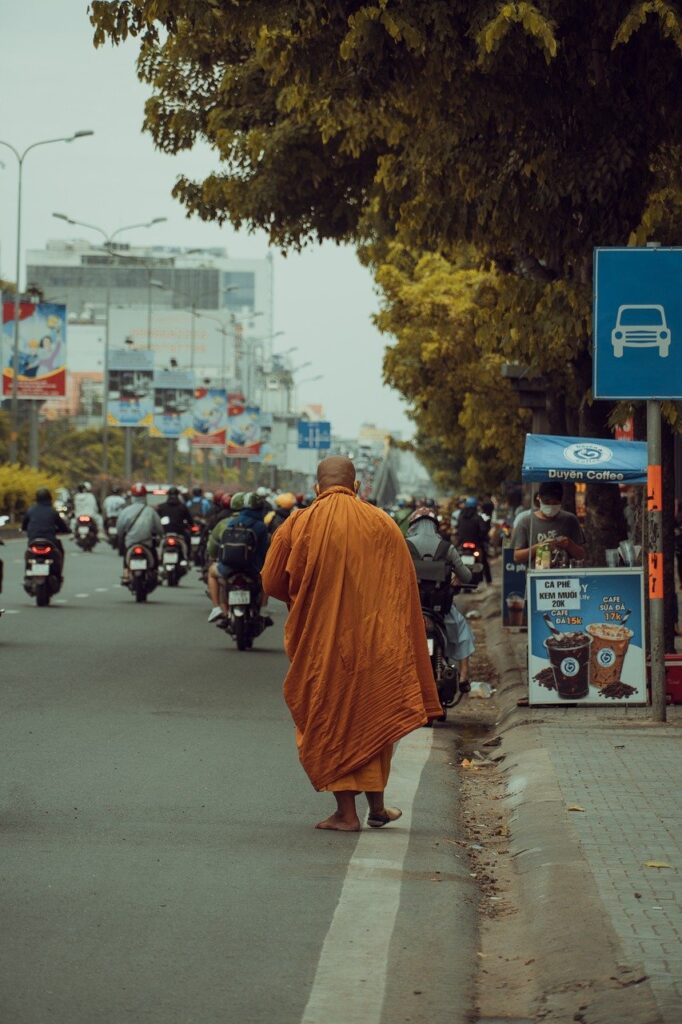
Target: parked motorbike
point(85, 532)
point(110, 531)
point(42, 571)
point(173, 558)
point(245, 622)
point(143, 575)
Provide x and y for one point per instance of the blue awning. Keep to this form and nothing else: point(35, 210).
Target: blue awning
point(584, 460)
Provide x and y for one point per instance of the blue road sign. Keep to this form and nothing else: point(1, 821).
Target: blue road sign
point(637, 323)
point(314, 434)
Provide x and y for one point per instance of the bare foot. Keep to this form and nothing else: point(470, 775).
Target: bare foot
point(377, 819)
point(338, 824)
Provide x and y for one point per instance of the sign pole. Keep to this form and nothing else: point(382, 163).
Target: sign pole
point(655, 531)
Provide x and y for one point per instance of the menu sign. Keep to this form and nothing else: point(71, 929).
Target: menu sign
point(586, 637)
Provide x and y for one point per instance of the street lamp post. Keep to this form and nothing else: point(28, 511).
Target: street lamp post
point(14, 406)
point(108, 239)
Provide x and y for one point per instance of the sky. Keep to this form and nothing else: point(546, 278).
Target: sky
point(53, 83)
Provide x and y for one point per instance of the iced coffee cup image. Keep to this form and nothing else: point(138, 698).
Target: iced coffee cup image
point(569, 656)
point(516, 606)
point(609, 647)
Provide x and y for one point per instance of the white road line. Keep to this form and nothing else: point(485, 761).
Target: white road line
point(350, 979)
point(58, 600)
point(12, 611)
point(101, 590)
point(81, 595)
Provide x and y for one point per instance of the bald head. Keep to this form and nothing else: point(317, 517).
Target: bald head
point(336, 471)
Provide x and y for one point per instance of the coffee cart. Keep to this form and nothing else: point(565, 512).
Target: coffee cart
point(586, 627)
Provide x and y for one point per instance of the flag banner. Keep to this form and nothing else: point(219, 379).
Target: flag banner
point(210, 418)
point(131, 388)
point(41, 360)
point(173, 402)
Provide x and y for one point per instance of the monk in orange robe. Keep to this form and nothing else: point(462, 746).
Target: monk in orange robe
point(360, 675)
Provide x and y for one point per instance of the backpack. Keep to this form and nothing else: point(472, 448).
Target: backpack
point(433, 573)
point(237, 548)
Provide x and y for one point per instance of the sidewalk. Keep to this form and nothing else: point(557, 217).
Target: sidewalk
point(605, 928)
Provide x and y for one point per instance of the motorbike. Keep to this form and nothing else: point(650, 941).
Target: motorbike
point(43, 571)
point(110, 531)
point(85, 532)
point(244, 622)
point(143, 576)
point(3, 520)
point(173, 558)
point(471, 556)
point(445, 672)
point(198, 542)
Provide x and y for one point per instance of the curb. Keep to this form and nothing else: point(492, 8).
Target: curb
point(581, 973)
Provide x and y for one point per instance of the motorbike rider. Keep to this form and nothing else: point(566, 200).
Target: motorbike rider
point(222, 511)
point(113, 503)
point(472, 528)
point(180, 520)
point(42, 522)
point(85, 504)
point(138, 523)
point(284, 506)
point(424, 539)
point(251, 512)
point(198, 504)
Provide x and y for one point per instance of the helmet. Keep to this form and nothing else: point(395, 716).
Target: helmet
point(138, 490)
point(87, 485)
point(237, 502)
point(42, 494)
point(470, 503)
point(252, 499)
point(263, 492)
point(217, 495)
point(286, 500)
point(225, 500)
point(423, 513)
point(197, 492)
point(173, 492)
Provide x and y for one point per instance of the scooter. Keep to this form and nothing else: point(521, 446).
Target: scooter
point(445, 672)
point(110, 531)
point(85, 532)
point(173, 558)
point(197, 539)
point(244, 622)
point(143, 575)
point(43, 571)
point(471, 556)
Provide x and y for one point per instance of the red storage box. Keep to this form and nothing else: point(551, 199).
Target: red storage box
point(673, 678)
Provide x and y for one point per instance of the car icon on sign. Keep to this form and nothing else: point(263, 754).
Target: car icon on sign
point(641, 327)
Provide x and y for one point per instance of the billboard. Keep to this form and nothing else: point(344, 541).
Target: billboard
point(243, 428)
point(171, 338)
point(131, 388)
point(210, 418)
point(41, 362)
point(173, 402)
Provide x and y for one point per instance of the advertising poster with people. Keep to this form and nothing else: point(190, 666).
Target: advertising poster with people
point(513, 591)
point(173, 402)
point(266, 451)
point(210, 418)
point(41, 361)
point(243, 428)
point(586, 637)
point(131, 388)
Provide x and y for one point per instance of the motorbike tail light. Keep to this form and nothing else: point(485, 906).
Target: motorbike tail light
point(195, 528)
point(38, 549)
point(84, 519)
point(469, 545)
point(138, 551)
point(171, 542)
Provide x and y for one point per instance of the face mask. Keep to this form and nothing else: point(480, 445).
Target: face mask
point(550, 510)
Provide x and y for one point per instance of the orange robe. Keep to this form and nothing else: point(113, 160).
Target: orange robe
point(360, 675)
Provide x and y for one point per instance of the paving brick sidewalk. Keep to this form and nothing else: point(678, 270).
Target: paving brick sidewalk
point(627, 775)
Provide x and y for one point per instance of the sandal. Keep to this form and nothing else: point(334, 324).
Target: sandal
point(379, 820)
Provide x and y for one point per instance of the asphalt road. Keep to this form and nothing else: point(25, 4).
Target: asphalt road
point(158, 862)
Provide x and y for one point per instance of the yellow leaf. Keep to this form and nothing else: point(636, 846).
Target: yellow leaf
point(656, 864)
point(575, 807)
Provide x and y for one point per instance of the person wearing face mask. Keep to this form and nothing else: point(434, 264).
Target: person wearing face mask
point(548, 524)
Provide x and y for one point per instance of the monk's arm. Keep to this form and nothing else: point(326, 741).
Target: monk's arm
point(274, 575)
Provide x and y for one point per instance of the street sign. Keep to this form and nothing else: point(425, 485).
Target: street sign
point(637, 323)
point(314, 434)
